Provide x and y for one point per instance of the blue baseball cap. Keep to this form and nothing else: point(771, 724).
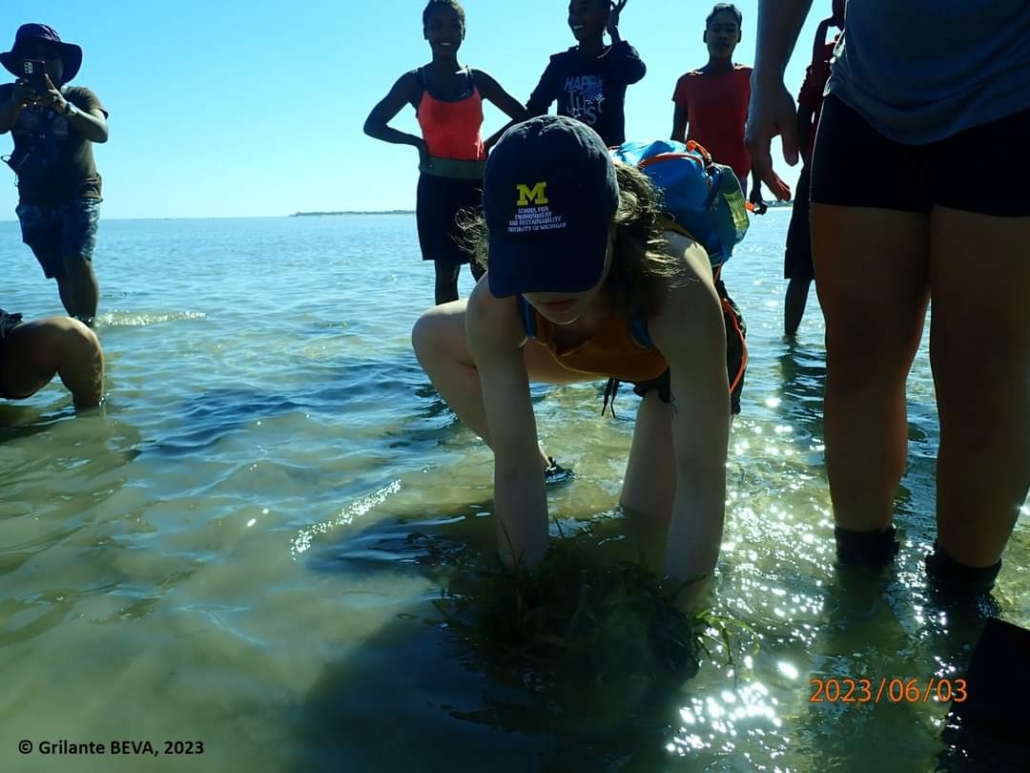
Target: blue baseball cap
point(549, 195)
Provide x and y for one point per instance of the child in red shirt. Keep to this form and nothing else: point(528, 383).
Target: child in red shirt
point(714, 101)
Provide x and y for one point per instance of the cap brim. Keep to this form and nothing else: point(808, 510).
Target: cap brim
point(552, 262)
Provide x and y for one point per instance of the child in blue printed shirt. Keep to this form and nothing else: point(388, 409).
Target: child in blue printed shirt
point(589, 80)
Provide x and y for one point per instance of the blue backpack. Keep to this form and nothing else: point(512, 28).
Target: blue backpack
point(702, 197)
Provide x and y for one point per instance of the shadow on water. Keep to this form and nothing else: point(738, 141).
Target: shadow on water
point(802, 381)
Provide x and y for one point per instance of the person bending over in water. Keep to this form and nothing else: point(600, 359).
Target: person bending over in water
point(448, 102)
point(584, 282)
point(32, 353)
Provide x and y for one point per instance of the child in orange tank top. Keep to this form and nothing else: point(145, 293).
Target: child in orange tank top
point(447, 99)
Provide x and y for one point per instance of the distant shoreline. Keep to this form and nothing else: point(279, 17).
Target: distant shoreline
point(352, 212)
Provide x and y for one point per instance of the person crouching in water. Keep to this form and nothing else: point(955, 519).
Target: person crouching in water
point(583, 282)
point(32, 353)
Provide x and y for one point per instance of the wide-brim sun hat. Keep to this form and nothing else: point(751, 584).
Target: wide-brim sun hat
point(71, 54)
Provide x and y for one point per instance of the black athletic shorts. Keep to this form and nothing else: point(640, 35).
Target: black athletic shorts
point(981, 170)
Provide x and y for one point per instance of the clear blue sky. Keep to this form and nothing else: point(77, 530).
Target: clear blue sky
point(227, 109)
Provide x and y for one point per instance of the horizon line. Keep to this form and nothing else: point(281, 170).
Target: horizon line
point(250, 217)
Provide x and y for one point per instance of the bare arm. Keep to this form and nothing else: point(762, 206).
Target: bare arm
point(679, 123)
point(496, 338)
point(771, 111)
point(779, 24)
point(91, 124)
point(700, 413)
point(505, 102)
point(404, 92)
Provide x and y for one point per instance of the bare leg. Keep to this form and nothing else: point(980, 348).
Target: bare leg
point(443, 352)
point(35, 352)
point(67, 292)
point(84, 290)
point(980, 353)
point(650, 484)
point(873, 283)
point(446, 281)
point(797, 298)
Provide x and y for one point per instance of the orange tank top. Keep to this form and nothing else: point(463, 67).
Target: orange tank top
point(614, 351)
point(451, 129)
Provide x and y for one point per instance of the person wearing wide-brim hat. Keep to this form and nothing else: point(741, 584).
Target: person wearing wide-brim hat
point(54, 126)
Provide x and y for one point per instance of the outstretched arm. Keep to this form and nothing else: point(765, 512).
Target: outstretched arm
point(495, 338)
point(700, 413)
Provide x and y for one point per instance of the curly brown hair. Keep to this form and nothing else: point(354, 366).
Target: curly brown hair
point(642, 271)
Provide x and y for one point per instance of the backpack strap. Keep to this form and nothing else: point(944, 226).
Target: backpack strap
point(668, 224)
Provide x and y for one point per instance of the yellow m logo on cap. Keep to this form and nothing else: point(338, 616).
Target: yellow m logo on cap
point(536, 195)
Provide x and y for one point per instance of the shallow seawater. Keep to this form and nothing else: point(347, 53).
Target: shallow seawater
point(244, 546)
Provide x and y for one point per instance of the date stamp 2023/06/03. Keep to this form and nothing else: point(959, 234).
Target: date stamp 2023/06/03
point(887, 690)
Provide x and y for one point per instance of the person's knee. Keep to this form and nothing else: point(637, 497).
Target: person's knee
point(68, 336)
point(429, 334)
point(866, 354)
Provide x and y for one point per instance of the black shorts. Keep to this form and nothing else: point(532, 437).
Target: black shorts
point(439, 207)
point(982, 170)
point(797, 258)
point(736, 356)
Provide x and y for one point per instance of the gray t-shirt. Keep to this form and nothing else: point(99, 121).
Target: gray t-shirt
point(923, 70)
